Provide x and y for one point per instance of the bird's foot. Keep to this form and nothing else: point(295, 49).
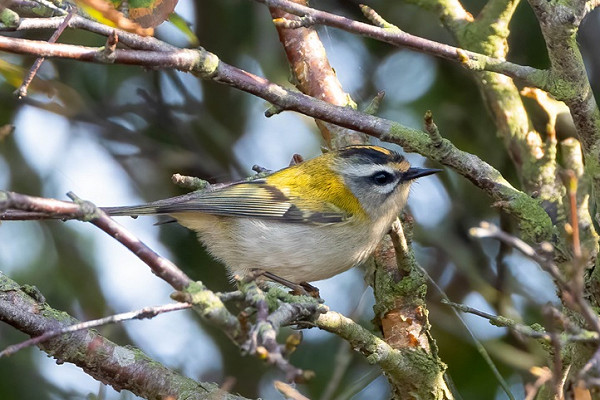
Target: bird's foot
point(299, 289)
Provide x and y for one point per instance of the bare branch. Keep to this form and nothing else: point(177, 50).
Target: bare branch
point(471, 60)
point(77, 22)
point(162, 267)
point(288, 391)
point(122, 367)
point(22, 91)
point(206, 303)
point(314, 76)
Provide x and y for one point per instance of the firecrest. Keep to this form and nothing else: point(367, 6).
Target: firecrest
point(304, 223)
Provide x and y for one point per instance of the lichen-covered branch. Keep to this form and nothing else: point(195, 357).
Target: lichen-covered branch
point(412, 369)
point(532, 155)
point(559, 22)
point(533, 158)
point(122, 367)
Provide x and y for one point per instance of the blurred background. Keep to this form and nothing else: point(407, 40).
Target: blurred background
point(115, 135)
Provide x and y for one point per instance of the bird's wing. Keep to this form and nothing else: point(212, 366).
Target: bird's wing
point(253, 199)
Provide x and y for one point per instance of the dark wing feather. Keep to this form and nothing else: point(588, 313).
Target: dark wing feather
point(254, 199)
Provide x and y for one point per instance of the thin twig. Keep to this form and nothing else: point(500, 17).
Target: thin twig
point(432, 129)
point(146, 312)
point(571, 186)
point(573, 297)
point(77, 22)
point(288, 391)
point(498, 320)
point(87, 211)
point(543, 375)
point(557, 364)
point(525, 330)
point(476, 342)
point(22, 90)
point(375, 18)
point(490, 230)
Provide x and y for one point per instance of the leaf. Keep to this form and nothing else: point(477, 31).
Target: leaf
point(105, 12)
point(151, 13)
point(147, 13)
point(184, 27)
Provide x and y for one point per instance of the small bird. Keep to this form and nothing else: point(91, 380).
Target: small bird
point(303, 223)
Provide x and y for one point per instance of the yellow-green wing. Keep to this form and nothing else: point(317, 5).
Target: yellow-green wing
point(253, 199)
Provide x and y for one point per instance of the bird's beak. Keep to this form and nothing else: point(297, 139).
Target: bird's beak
point(415, 172)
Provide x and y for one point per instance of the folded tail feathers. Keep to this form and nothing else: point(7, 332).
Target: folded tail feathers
point(165, 206)
point(130, 211)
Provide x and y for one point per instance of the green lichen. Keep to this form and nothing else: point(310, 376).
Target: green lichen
point(208, 305)
point(537, 327)
point(411, 289)
point(206, 64)
point(410, 139)
point(34, 293)
point(534, 223)
point(9, 18)
point(57, 315)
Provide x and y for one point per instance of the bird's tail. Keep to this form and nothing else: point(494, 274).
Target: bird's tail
point(144, 209)
point(166, 206)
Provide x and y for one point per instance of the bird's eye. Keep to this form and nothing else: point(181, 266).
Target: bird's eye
point(382, 178)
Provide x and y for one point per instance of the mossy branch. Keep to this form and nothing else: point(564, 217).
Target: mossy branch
point(121, 367)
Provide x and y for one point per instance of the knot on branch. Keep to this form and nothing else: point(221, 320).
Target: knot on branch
point(206, 64)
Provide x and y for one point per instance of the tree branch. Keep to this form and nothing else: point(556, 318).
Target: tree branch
point(146, 312)
point(470, 60)
point(77, 22)
point(314, 76)
point(121, 367)
point(406, 368)
point(559, 24)
point(206, 303)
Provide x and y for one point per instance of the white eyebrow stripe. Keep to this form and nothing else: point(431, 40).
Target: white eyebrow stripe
point(367, 170)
